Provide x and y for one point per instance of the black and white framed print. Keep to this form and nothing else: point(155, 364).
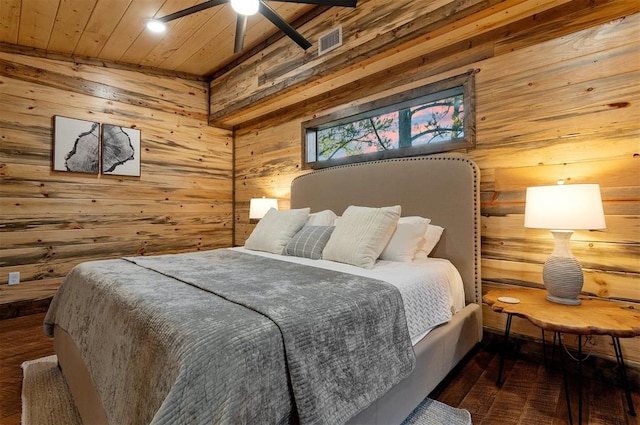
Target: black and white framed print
point(120, 150)
point(76, 145)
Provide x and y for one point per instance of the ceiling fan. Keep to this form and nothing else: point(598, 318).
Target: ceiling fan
point(244, 9)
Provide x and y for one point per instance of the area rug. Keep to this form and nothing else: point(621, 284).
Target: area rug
point(45, 397)
point(46, 400)
point(433, 412)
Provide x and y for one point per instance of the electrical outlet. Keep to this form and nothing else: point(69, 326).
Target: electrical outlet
point(14, 278)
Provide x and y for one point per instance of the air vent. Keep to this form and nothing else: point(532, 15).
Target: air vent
point(330, 41)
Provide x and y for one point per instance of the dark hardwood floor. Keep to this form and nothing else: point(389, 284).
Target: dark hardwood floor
point(530, 394)
point(21, 339)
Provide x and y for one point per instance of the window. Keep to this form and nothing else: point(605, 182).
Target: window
point(438, 117)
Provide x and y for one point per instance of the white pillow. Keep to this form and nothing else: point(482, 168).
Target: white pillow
point(321, 218)
point(276, 229)
point(406, 239)
point(431, 238)
point(361, 234)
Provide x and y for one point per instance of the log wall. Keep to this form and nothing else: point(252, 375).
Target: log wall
point(558, 96)
point(51, 221)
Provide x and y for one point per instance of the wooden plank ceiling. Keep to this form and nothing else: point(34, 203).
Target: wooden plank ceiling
point(114, 31)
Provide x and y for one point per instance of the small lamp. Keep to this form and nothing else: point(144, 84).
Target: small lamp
point(562, 209)
point(259, 207)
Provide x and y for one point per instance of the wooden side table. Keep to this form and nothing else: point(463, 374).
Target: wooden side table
point(592, 317)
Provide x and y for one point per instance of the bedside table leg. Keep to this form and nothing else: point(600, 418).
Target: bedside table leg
point(565, 377)
point(544, 352)
point(548, 365)
point(623, 374)
point(579, 379)
point(507, 328)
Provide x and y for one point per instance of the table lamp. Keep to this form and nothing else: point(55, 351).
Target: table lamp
point(563, 208)
point(259, 207)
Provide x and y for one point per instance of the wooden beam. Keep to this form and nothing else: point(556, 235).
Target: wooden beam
point(84, 60)
point(271, 84)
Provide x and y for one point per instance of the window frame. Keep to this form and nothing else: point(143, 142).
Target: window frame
point(396, 102)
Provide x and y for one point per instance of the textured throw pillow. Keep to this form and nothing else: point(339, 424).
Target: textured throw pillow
point(309, 242)
point(361, 234)
point(406, 239)
point(321, 218)
point(431, 238)
point(276, 229)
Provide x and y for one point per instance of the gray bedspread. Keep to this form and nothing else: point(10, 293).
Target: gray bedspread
point(227, 337)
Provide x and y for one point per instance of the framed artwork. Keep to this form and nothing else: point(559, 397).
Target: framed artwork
point(120, 150)
point(76, 145)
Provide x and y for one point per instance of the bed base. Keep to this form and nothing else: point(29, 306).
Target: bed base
point(85, 396)
point(436, 355)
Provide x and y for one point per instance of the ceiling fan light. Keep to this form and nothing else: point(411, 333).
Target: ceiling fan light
point(245, 7)
point(156, 26)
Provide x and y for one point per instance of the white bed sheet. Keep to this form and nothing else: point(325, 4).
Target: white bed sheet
point(432, 291)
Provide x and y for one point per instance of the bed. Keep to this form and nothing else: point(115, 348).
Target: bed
point(279, 387)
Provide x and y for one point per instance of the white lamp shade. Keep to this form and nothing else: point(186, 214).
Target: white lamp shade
point(245, 7)
point(564, 207)
point(259, 207)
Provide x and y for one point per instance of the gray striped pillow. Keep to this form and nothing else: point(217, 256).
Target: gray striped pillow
point(309, 242)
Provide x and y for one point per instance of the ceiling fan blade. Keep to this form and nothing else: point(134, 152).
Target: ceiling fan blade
point(271, 15)
point(241, 29)
point(192, 9)
point(342, 3)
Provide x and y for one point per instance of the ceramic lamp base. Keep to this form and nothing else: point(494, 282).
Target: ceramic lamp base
point(562, 274)
point(566, 301)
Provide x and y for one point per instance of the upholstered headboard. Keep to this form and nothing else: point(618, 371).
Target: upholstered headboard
point(444, 188)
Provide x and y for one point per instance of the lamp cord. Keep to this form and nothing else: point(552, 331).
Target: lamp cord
point(588, 340)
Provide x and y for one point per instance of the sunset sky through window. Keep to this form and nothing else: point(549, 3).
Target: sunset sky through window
point(433, 122)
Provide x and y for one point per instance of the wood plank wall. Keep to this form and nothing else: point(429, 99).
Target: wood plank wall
point(50, 221)
point(558, 96)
